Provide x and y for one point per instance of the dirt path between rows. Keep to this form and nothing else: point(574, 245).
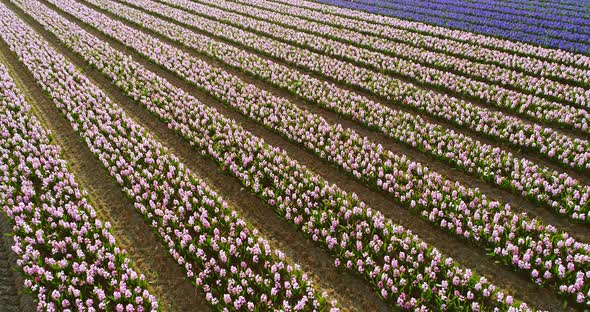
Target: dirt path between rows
point(13, 296)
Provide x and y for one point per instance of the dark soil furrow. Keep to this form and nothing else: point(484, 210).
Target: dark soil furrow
point(11, 286)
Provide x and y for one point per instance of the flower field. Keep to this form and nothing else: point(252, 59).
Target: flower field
point(281, 155)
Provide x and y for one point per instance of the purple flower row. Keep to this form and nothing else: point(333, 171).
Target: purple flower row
point(555, 8)
point(531, 15)
point(526, 244)
point(557, 190)
point(480, 71)
point(574, 153)
point(534, 107)
point(68, 257)
point(565, 40)
point(235, 267)
point(402, 269)
point(565, 8)
point(379, 36)
point(474, 16)
point(388, 26)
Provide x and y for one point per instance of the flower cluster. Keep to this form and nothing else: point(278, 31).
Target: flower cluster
point(402, 269)
point(235, 267)
point(545, 17)
point(386, 39)
point(388, 26)
point(485, 82)
point(571, 152)
point(490, 20)
point(522, 176)
point(68, 257)
point(563, 38)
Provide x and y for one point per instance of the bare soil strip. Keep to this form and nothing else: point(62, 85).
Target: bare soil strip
point(12, 292)
point(580, 231)
point(466, 254)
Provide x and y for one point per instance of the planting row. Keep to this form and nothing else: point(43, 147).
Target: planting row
point(506, 22)
point(485, 72)
point(566, 8)
point(528, 14)
point(577, 43)
point(526, 244)
point(573, 153)
point(403, 269)
point(557, 190)
point(383, 25)
point(227, 259)
point(69, 259)
point(536, 108)
point(507, 17)
point(559, 7)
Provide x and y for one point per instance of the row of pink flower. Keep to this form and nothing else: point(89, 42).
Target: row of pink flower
point(419, 39)
point(526, 244)
point(389, 27)
point(571, 152)
point(235, 267)
point(68, 257)
point(401, 268)
point(383, 54)
point(330, 51)
point(557, 190)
